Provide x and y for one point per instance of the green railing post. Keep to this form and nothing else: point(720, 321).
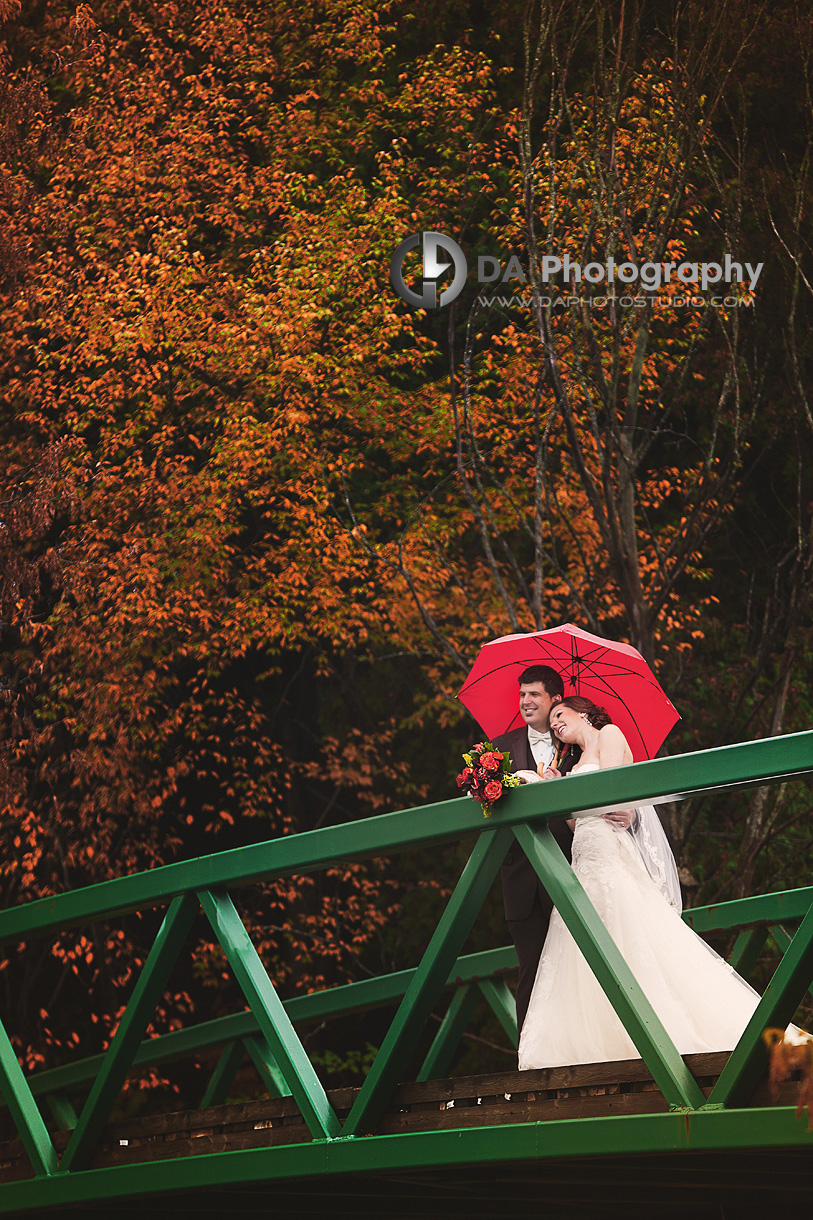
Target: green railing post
point(783, 994)
point(27, 1118)
point(447, 1039)
point(430, 977)
point(119, 1057)
point(614, 975)
point(272, 1018)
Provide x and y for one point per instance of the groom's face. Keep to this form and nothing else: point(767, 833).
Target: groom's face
point(535, 704)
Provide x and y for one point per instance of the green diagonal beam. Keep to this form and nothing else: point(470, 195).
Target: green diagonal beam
point(447, 1039)
point(266, 1065)
point(783, 994)
point(24, 1110)
point(789, 905)
point(217, 1090)
point(761, 909)
point(430, 977)
point(782, 938)
point(747, 948)
point(348, 998)
point(274, 1022)
point(118, 1060)
point(501, 1001)
point(614, 975)
point(62, 1110)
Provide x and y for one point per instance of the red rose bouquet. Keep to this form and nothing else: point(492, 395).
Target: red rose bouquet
point(486, 774)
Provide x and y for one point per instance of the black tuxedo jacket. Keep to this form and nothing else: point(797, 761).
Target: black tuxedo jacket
point(520, 883)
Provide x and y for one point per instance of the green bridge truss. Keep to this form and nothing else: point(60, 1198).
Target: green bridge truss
point(267, 1030)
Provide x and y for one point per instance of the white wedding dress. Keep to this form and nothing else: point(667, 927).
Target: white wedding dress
point(702, 1002)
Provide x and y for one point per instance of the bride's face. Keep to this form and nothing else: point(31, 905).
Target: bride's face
point(565, 722)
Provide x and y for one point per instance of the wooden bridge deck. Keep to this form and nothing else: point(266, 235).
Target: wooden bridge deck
point(585, 1091)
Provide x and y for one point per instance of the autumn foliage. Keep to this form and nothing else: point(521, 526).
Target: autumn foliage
point(256, 516)
point(187, 379)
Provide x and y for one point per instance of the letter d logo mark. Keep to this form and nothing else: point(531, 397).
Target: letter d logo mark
point(432, 267)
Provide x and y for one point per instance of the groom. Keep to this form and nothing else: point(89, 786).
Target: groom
point(527, 903)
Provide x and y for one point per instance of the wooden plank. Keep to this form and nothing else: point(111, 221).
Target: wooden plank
point(213, 1116)
point(582, 1074)
point(496, 1084)
point(583, 1091)
point(224, 1141)
point(525, 1112)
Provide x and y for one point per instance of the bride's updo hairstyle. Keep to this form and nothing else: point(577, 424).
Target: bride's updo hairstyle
point(596, 715)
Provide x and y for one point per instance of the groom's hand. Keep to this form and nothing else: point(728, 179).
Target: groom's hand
point(622, 818)
point(528, 777)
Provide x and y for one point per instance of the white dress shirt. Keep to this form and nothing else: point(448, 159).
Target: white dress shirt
point(542, 746)
point(543, 751)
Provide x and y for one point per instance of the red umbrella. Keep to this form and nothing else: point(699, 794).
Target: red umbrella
point(615, 676)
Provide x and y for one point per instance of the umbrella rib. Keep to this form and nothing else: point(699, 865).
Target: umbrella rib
point(588, 672)
point(490, 673)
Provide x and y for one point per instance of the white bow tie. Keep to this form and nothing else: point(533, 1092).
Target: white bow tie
point(537, 738)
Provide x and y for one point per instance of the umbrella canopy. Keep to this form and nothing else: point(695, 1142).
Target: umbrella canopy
point(615, 676)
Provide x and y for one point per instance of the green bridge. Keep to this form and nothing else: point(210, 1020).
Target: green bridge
point(666, 1132)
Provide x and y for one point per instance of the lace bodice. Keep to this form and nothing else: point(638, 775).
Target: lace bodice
point(646, 839)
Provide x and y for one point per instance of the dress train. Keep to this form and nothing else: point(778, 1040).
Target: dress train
point(702, 1002)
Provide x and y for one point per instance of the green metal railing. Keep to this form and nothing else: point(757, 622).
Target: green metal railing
point(268, 1034)
point(475, 977)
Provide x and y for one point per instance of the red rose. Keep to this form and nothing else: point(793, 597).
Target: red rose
point(490, 762)
point(464, 777)
point(493, 791)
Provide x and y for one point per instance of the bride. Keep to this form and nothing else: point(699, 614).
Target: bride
point(627, 869)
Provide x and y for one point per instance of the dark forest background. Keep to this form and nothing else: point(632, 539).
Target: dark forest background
point(257, 516)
